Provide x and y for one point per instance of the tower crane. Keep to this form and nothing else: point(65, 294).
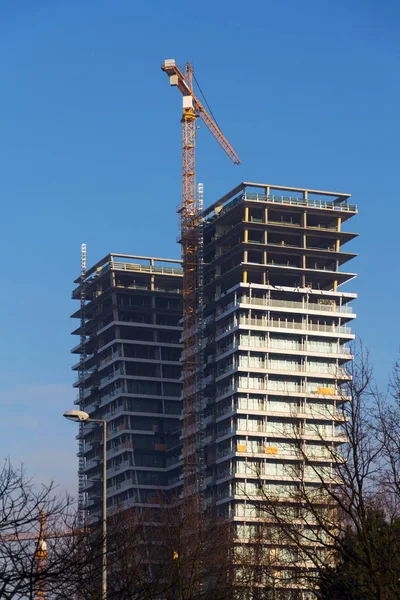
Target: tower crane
point(190, 219)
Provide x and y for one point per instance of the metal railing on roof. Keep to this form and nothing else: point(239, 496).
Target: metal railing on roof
point(125, 266)
point(309, 202)
point(288, 201)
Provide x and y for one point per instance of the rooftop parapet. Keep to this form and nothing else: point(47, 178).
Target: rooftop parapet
point(302, 197)
point(130, 263)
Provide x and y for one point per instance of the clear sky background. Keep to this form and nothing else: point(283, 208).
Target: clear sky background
point(307, 92)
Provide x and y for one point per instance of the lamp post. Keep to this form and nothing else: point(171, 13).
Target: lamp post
point(80, 416)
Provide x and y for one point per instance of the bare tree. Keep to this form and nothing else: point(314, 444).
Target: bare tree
point(329, 495)
point(387, 429)
point(39, 543)
point(174, 551)
point(259, 565)
point(200, 546)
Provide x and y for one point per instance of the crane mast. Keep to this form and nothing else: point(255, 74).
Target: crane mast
point(190, 234)
point(82, 379)
point(41, 555)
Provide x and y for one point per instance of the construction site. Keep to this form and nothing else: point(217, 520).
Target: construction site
point(221, 371)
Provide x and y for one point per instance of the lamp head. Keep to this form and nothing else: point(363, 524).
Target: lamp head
point(76, 415)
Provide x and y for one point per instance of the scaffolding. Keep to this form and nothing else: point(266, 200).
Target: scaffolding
point(82, 378)
point(200, 347)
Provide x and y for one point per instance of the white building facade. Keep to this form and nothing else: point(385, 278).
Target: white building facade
point(277, 334)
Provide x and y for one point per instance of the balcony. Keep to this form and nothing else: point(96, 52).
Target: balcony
point(322, 306)
point(90, 408)
point(109, 377)
point(222, 453)
point(281, 386)
point(286, 431)
point(286, 346)
point(312, 411)
point(286, 324)
point(327, 306)
point(297, 367)
point(208, 439)
point(111, 394)
point(109, 358)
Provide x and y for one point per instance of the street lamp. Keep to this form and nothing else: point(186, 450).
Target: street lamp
point(80, 416)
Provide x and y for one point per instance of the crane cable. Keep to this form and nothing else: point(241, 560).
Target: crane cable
point(205, 100)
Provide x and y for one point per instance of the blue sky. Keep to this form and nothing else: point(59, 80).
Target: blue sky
point(307, 93)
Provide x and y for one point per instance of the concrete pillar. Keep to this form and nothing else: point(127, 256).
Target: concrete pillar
point(245, 256)
point(244, 279)
point(337, 246)
point(335, 285)
point(304, 241)
point(115, 310)
point(304, 219)
point(265, 215)
point(246, 236)
point(339, 224)
point(246, 214)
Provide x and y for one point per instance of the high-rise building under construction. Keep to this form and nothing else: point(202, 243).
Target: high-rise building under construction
point(275, 333)
point(130, 376)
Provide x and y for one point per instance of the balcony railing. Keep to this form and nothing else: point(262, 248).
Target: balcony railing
point(306, 306)
point(289, 366)
point(294, 325)
point(285, 429)
point(281, 386)
point(326, 306)
point(109, 358)
point(110, 377)
point(280, 324)
point(292, 410)
point(265, 345)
